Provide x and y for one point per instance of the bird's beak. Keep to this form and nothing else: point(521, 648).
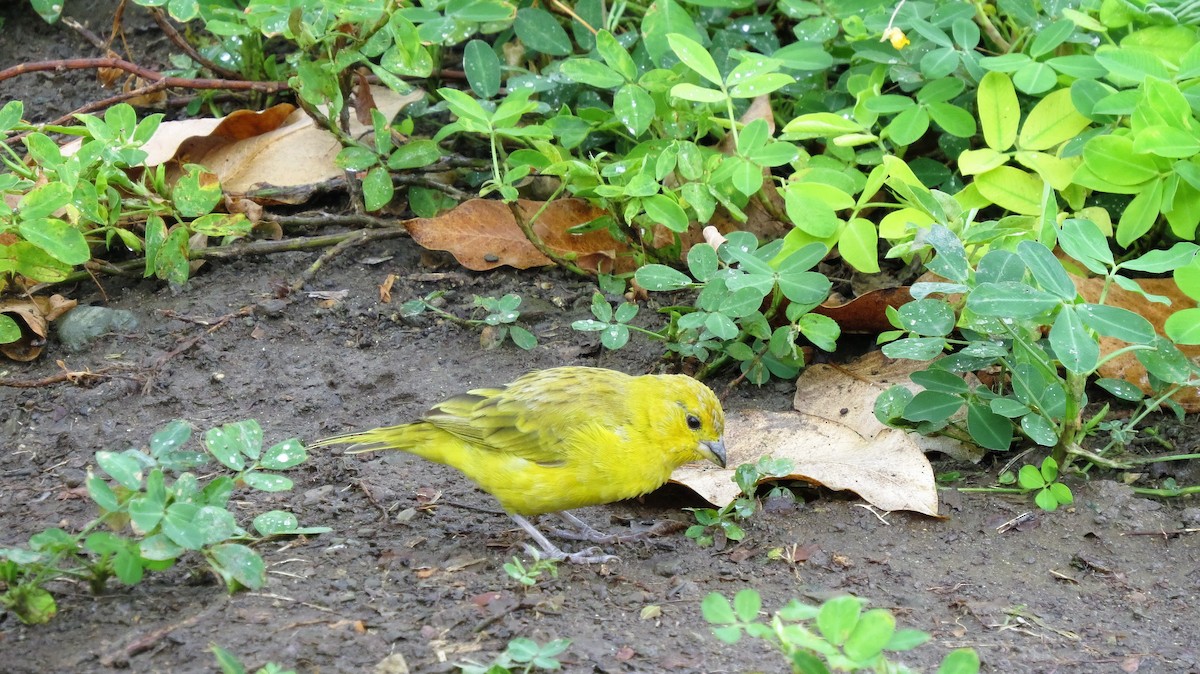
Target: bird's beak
point(714, 451)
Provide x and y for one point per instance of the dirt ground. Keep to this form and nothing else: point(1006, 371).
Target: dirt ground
point(1084, 590)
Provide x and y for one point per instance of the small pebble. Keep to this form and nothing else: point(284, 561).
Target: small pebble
point(271, 308)
point(82, 325)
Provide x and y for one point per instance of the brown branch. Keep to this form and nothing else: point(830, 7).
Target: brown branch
point(145, 73)
point(233, 251)
point(527, 229)
point(158, 83)
point(327, 220)
point(360, 237)
point(179, 41)
point(72, 376)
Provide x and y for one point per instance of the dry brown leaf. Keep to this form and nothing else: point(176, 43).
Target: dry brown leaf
point(866, 313)
point(846, 394)
point(278, 148)
point(33, 316)
point(482, 234)
point(385, 289)
point(297, 158)
point(889, 470)
point(1126, 366)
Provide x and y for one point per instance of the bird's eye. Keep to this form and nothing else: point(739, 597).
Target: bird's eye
point(693, 422)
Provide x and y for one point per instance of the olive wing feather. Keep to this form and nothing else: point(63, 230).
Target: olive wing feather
point(536, 417)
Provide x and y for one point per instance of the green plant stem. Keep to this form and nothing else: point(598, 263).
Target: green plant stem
point(1147, 408)
point(1123, 350)
point(1181, 491)
point(1128, 464)
point(1072, 422)
point(233, 251)
point(990, 29)
point(733, 124)
point(712, 366)
point(991, 490)
point(527, 228)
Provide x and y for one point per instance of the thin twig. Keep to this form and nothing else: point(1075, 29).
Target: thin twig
point(120, 656)
point(1164, 533)
point(179, 41)
point(241, 250)
point(73, 376)
point(527, 228)
point(142, 72)
point(423, 180)
point(361, 237)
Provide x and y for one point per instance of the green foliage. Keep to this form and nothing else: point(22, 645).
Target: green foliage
point(613, 326)
point(742, 290)
point(846, 637)
point(1020, 313)
point(522, 655)
point(70, 203)
point(713, 524)
point(230, 664)
point(1044, 480)
point(155, 510)
point(991, 124)
point(502, 315)
point(529, 575)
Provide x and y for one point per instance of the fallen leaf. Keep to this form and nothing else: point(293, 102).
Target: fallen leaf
point(33, 315)
point(482, 234)
point(866, 313)
point(1126, 366)
point(385, 289)
point(845, 394)
point(392, 664)
point(887, 470)
point(650, 612)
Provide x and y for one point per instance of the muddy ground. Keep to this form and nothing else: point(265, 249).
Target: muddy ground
point(1084, 590)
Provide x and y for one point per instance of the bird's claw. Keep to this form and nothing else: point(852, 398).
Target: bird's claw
point(589, 556)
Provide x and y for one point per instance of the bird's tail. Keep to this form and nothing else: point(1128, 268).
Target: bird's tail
point(418, 438)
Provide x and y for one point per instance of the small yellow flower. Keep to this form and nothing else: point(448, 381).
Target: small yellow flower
point(896, 36)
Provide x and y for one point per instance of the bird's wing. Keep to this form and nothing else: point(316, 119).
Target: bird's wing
point(535, 420)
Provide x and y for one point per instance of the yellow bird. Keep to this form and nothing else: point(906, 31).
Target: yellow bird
point(565, 438)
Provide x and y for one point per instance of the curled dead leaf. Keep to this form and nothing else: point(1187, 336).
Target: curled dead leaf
point(33, 316)
point(866, 313)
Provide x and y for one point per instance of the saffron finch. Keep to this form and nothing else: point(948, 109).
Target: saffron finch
point(565, 438)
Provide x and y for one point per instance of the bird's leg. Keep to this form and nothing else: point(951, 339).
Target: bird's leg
point(584, 532)
point(552, 551)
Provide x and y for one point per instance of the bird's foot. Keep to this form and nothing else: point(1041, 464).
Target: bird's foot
point(593, 555)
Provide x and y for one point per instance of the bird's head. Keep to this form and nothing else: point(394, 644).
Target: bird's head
point(692, 419)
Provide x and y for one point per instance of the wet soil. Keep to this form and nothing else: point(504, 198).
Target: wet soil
point(1093, 588)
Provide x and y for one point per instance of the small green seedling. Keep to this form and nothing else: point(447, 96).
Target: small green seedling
point(529, 575)
point(522, 655)
point(154, 510)
point(712, 523)
point(846, 638)
point(1050, 492)
point(231, 664)
point(502, 315)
